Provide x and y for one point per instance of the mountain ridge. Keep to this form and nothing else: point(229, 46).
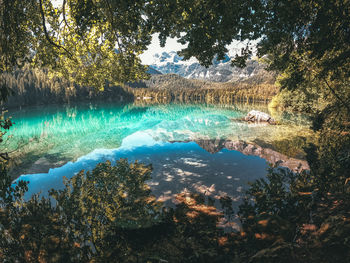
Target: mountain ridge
point(219, 71)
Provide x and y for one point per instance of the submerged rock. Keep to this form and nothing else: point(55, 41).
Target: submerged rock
point(259, 116)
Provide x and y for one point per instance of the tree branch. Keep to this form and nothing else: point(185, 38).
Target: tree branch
point(64, 13)
point(47, 34)
point(336, 95)
point(112, 22)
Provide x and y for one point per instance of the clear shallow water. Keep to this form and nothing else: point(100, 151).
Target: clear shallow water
point(58, 141)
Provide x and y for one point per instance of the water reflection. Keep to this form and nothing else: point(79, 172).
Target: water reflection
point(200, 148)
point(215, 168)
point(177, 167)
point(271, 156)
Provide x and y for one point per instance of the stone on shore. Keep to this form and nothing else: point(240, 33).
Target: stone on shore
point(259, 116)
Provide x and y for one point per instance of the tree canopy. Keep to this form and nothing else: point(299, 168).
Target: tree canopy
point(94, 41)
point(87, 42)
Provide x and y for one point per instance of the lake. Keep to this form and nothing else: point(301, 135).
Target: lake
point(192, 147)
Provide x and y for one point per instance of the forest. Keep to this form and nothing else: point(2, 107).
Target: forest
point(83, 50)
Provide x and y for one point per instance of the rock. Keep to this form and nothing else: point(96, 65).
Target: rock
point(258, 116)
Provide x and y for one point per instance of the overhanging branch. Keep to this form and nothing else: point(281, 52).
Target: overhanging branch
point(47, 34)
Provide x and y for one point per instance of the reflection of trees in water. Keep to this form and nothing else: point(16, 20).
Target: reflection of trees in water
point(110, 215)
point(63, 134)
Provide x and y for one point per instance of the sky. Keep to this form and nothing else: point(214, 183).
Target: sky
point(154, 47)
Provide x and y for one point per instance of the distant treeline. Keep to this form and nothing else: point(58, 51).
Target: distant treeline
point(171, 87)
point(35, 87)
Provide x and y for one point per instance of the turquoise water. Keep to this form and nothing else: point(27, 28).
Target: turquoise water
point(180, 140)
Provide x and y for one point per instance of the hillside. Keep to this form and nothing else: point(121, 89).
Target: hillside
point(172, 87)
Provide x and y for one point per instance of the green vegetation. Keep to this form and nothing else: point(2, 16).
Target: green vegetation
point(34, 87)
point(288, 217)
point(105, 215)
point(167, 88)
point(302, 217)
point(76, 41)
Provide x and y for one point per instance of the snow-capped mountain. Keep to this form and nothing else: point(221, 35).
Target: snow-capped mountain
point(220, 71)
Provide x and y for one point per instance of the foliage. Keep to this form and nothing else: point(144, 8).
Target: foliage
point(304, 39)
point(206, 26)
point(303, 216)
point(312, 52)
point(307, 42)
point(79, 220)
point(106, 201)
point(109, 215)
point(301, 101)
point(77, 40)
point(285, 28)
point(17, 21)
